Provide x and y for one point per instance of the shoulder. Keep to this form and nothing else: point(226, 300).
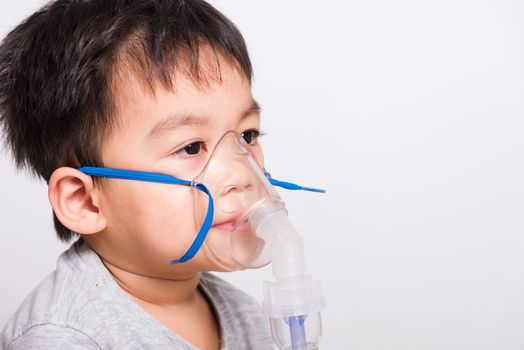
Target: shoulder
point(81, 306)
point(50, 336)
point(61, 305)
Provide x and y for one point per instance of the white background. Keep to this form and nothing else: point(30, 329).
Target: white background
point(411, 114)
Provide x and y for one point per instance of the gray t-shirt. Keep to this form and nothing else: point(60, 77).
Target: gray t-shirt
point(80, 306)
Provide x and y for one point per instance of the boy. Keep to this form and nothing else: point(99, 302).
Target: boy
point(149, 85)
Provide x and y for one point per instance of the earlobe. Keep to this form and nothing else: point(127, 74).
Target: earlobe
point(72, 196)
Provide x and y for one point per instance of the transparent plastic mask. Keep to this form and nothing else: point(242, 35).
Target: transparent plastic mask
point(234, 176)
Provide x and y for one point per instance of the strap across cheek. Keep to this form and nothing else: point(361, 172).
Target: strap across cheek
point(112, 173)
point(201, 236)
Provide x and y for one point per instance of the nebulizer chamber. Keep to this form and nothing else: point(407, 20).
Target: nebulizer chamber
point(293, 301)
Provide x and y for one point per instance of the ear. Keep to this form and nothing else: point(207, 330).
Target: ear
point(74, 201)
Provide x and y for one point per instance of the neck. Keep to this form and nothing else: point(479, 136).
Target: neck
point(154, 290)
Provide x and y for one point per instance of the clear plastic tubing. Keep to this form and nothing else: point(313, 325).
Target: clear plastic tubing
point(293, 302)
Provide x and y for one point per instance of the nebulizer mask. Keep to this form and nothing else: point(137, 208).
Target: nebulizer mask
point(242, 223)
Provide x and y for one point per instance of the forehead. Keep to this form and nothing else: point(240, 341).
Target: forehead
point(191, 87)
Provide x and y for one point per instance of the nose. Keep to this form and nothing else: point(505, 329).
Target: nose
point(239, 181)
point(231, 173)
point(237, 190)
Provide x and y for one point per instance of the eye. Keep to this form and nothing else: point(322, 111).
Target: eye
point(250, 136)
point(192, 149)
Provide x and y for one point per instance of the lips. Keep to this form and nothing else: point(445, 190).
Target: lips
point(225, 226)
point(233, 223)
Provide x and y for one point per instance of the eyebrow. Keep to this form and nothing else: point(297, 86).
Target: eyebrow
point(175, 121)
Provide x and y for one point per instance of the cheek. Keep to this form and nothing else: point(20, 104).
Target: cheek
point(154, 217)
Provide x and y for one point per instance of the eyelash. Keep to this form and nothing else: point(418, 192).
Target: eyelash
point(185, 151)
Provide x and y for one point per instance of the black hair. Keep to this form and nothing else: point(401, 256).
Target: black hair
point(57, 70)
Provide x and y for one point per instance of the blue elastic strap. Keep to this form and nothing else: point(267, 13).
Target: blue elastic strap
point(201, 236)
point(294, 187)
point(165, 179)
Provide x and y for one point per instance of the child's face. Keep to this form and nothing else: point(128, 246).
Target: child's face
point(149, 224)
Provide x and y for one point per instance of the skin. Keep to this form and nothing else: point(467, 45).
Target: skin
point(137, 227)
